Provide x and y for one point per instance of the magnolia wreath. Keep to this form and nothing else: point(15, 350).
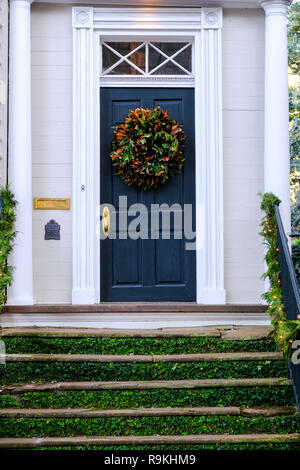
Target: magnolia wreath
point(148, 148)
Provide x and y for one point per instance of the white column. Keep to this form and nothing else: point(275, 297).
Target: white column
point(19, 148)
point(277, 160)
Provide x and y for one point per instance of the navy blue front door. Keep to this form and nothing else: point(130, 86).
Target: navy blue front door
point(147, 269)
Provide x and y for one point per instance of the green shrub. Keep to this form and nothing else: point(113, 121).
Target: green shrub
point(7, 237)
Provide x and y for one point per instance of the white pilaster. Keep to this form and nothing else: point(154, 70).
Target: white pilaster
point(209, 167)
point(84, 213)
point(277, 160)
point(19, 147)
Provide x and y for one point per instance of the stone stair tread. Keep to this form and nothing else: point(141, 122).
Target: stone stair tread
point(146, 385)
point(136, 412)
point(195, 357)
point(272, 411)
point(226, 332)
point(147, 440)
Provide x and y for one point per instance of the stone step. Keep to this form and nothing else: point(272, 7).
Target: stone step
point(250, 396)
point(147, 385)
point(76, 368)
point(29, 443)
point(225, 332)
point(209, 357)
point(61, 341)
point(142, 412)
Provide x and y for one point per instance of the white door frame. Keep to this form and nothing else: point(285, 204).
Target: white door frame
point(204, 26)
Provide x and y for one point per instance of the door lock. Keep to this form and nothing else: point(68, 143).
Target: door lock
point(105, 221)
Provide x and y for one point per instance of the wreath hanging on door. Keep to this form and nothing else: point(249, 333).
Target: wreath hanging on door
point(148, 148)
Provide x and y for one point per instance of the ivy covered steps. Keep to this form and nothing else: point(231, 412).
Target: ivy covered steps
point(204, 388)
point(91, 367)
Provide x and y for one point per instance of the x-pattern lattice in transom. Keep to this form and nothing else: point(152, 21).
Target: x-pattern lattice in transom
point(146, 58)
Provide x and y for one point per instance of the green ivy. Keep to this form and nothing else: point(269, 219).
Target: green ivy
point(114, 399)
point(205, 447)
point(285, 331)
point(110, 345)
point(7, 237)
point(18, 372)
point(147, 426)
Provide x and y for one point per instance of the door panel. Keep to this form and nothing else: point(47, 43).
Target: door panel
point(157, 269)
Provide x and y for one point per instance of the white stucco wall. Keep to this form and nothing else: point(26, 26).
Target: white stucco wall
point(243, 55)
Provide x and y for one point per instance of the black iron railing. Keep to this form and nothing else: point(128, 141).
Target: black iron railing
point(290, 293)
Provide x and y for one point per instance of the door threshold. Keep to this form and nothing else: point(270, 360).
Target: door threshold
point(137, 307)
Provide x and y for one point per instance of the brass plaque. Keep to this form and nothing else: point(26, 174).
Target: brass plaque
point(61, 204)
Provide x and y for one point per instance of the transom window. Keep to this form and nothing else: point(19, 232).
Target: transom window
point(148, 59)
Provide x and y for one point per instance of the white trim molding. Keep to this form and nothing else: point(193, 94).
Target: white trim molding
point(203, 27)
point(162, 3)
point(132, 20)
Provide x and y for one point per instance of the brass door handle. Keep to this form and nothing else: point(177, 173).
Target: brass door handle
point(105, 221)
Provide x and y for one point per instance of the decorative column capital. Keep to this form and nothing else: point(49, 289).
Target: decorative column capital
point(211, 18)
point(275, 7)
point(82, 17)
point(20, 3)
